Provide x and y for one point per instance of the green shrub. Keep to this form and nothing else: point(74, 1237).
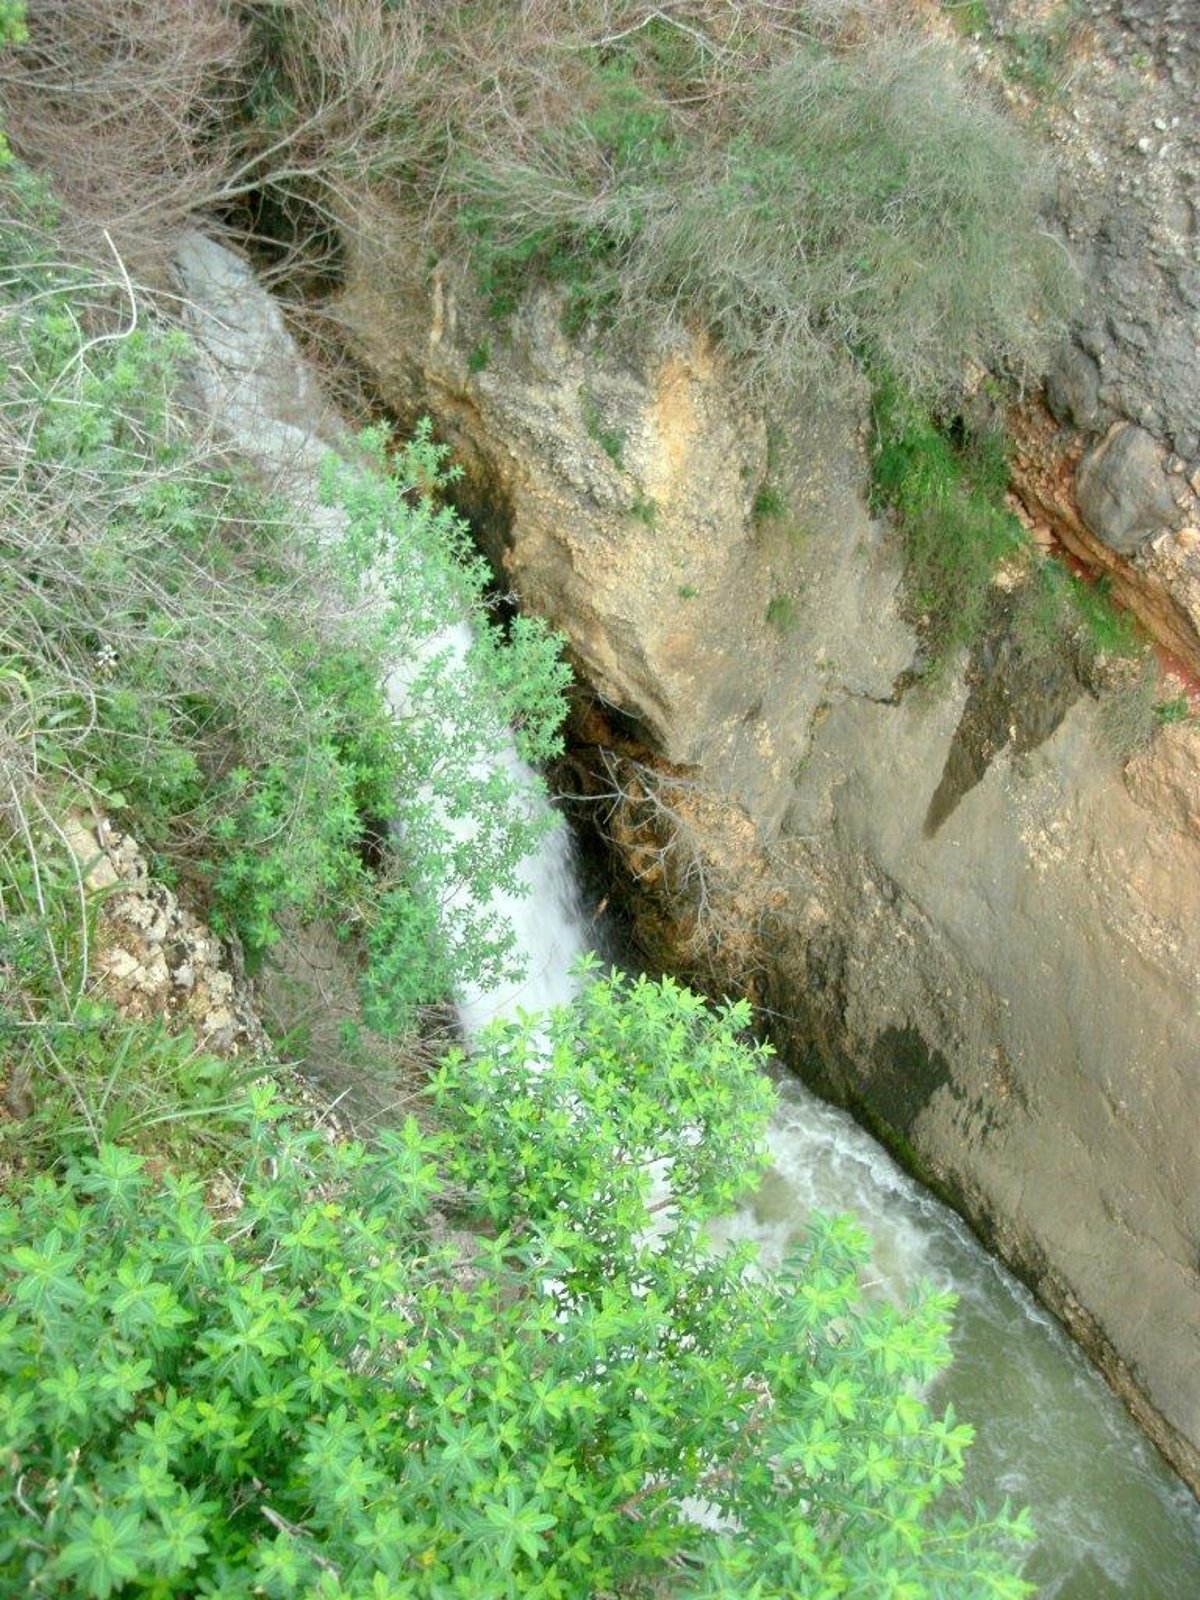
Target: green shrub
point(781, 612)
point(611, 440)
point(947, 488)
point(969, 17)
point(178, 650)
point(304, 1393)
point(1170, 713)
point(769, 502)
point(1036, 57)
point(1109, 630)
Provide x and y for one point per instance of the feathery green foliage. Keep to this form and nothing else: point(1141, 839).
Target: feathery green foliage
point(956, 528)
point(949, 499)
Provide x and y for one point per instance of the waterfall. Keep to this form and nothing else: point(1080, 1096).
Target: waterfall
point(546, 919)
point(258, 388)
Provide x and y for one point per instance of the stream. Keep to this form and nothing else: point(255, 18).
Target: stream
point(1112, 1519)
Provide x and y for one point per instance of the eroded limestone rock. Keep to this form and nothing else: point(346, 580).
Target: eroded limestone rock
point(151, 956)
point(1011, 990)
point(617, 493)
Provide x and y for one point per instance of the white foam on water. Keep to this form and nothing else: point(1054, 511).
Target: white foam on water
point(1113, 1522)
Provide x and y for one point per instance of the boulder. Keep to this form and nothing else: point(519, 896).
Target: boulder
point(1123, 492)
point(1073, 389)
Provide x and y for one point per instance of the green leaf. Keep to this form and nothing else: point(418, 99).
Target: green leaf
point(102, 1552)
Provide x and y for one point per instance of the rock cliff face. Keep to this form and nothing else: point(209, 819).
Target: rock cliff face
point(1113, 461)
point(964, 915)
point(965, 919)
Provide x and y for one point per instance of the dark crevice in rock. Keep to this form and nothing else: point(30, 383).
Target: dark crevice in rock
point(907, 1075)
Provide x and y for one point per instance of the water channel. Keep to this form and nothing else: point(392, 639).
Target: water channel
point(1113, 1522)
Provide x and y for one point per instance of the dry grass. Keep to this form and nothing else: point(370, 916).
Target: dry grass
point(123, 101)
point(802, 178)
point(811, 182)
point(149, 113)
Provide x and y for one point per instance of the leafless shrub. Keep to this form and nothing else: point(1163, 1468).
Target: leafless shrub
point(123, 101)
point(145, 113)
point(668, 832)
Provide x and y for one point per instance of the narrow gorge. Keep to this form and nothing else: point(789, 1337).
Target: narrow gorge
point(963, 911)
point(501, 499)
point(1129, 1527)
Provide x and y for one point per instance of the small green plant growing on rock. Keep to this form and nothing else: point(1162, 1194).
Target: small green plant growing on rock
point(1109, 630)
point(1036, 57)
point(781, 612)
point(949, 506)
point(611, 440)
point(970, 17)
point(769, 503)
point(1173, 712)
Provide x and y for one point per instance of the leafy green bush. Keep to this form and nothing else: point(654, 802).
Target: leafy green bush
point(466, 819)
point(176, 649)
point(304, 1393)
point(947, 488)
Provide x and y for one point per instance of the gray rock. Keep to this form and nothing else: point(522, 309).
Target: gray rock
point(1073, 389)
point(1123, 493)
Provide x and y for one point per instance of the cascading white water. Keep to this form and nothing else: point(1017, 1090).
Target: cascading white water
point(550, 935)
point(1113, 1523)
point(260, 391)
point(546, 920)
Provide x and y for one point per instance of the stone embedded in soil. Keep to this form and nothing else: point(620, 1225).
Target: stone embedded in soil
point(152, 957)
